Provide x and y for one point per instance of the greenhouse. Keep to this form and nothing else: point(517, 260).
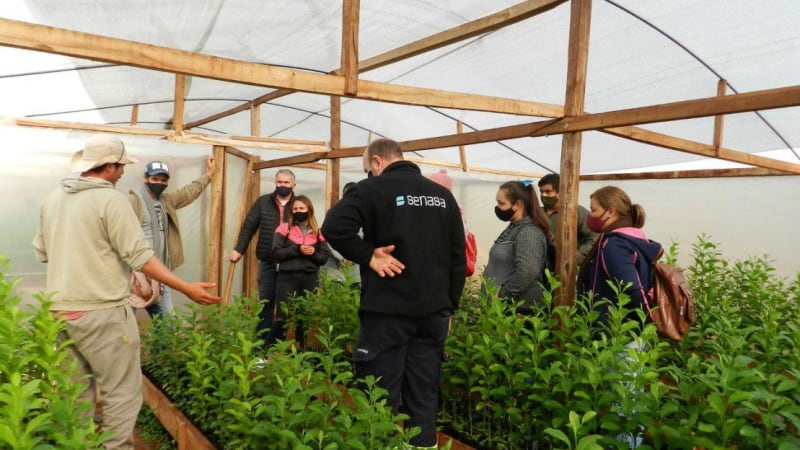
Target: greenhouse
point(691, 107)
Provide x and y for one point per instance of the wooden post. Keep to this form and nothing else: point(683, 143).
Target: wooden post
point(177, 114)
point(255, 120)
point(333, 166)
point(134, 115)
point(250, 268)
point(462, 153)
point(722, 86)
point(217, 220)
point(566, 234)
point(350, 18)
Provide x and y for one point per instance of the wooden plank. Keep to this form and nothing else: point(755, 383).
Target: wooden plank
point(240, 108)
point(678, 174)
point(501, 172)
point(134, 115)
point(495, 21)
point(30, 36)
point(349, 69)
point(687, 109)
point(462, 153)
point(171, 418)
point(566, 231)
point(90, 127)
point(459, 33)
point(217, 221)
point(312, 166)
point(696, 148)
point(719, 118)
point(236, 152)
point(255, 120)
point(180, 94)
point(291, 161)
point(333, 166)
point(251, 142)
point(250, 274)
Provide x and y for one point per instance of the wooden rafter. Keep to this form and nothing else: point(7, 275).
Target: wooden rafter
point(349, 64)
point(136, 54)
point(508, 16)
point(676, 174)
point(610, 122)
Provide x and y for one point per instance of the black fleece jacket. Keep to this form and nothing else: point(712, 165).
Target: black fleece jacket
point(264, 217)
point(422, 220)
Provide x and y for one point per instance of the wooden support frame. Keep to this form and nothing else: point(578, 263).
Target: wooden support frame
point(134, 115)
point(349, 69)
point(508, 16)
point(179, 103)
point(567, 229)
point(719, 119)
point(174, 421)
point(676, 174)
point(216, 219)
point(61, 41)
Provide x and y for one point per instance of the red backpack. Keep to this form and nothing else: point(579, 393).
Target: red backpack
point(471, 252)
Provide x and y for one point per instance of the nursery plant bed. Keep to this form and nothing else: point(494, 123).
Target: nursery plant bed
point(174, 421)
point(189, 437)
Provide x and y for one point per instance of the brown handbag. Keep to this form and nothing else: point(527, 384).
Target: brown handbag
point(145, 291)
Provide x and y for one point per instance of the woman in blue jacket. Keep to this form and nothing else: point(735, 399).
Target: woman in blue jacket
point(622, 254)
point(299, 249)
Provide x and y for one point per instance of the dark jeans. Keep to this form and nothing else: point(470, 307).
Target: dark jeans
point(267, 276)
point(406, 353)
point(290, 284)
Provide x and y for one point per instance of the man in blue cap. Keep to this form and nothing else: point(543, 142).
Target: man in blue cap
point(157, 212)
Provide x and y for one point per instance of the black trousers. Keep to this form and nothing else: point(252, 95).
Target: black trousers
point(290, 284)
point(406, 353)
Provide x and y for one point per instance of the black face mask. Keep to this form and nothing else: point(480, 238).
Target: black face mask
point(503, 214)
point(300, 217)
point(156, 188)
point(283, 191)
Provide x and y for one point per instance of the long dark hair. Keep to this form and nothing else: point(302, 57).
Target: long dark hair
point(523, 191)
point(312, 221)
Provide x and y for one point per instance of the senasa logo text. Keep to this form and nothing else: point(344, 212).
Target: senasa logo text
point(423, 200)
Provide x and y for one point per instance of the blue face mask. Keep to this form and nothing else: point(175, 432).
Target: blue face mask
point(283, 191)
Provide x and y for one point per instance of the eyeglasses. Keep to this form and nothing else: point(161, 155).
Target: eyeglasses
point(525, 183)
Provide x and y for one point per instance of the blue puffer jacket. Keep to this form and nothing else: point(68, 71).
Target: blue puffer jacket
point(621, 255)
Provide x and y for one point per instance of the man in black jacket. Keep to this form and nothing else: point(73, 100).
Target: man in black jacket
point(412, 273)
point(264, 216)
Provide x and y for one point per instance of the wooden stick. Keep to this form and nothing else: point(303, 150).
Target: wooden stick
point(226, 299)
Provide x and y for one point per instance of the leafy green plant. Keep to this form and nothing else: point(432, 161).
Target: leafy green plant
point(40, 397)
point(241, 396)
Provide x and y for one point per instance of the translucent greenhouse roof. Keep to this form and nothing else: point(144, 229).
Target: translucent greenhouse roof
point(641, 53)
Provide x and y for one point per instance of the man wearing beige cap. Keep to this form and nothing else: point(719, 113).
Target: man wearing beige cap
point(90, 239)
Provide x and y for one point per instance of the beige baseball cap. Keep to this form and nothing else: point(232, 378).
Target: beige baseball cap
point(100, 149)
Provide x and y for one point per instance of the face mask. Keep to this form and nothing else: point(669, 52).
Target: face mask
point(283, 191)
point(156, 188)
point(504, 214)
point(549, 202)
point(595, 223)
point(300, 217)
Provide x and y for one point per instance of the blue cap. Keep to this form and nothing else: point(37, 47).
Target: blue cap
point(156, 168)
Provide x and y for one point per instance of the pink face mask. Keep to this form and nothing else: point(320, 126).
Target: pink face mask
point(595, 223)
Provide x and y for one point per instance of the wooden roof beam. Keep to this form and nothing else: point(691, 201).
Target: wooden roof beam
point(613, 123)
point(500, 19)
point(677, 174)
point(136, 54)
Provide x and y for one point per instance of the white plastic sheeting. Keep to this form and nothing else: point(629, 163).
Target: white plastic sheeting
point(642, 52)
